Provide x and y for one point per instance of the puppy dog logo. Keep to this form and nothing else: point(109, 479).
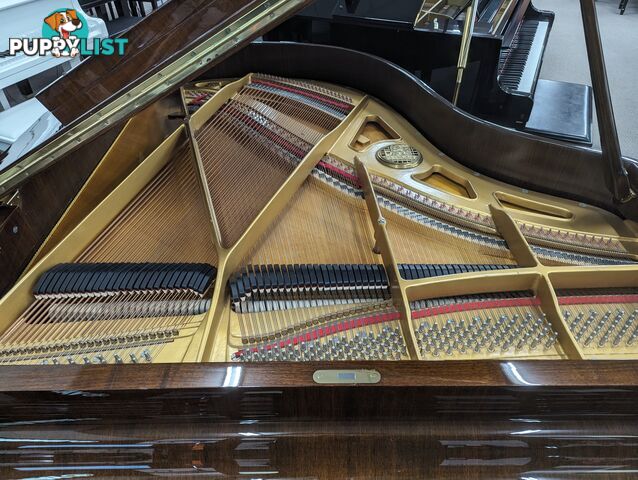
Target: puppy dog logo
point(65, 33)
point(66, 25)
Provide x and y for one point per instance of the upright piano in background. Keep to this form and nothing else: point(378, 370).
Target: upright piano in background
point(279, 266)
point(501, 82)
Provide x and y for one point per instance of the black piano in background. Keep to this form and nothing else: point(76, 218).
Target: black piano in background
point(501, 82)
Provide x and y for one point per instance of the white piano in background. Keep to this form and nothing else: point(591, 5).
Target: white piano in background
point(29, 123)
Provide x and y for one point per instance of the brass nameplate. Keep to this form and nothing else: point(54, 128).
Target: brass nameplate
point(351, 377)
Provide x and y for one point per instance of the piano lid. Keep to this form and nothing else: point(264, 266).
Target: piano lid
point(173, 44)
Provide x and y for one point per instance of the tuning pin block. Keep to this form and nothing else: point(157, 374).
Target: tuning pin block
point(611, 328)
point(486, 336)
point(387, 344)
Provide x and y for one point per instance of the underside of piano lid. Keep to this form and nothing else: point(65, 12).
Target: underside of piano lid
point(295, 220)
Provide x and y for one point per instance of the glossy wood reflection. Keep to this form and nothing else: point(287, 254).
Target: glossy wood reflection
point(560, 449)
point(324, 433)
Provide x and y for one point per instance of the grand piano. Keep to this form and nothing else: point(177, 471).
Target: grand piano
point(502, 79)
point(256, 260)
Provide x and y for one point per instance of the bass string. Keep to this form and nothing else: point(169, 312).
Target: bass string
point(18, 328)
point(120, 242)
point(100, 248)
point(117, 243)
point(41, 328)
point(305, 90)
point(151, 228)
point(135, 230)
point(112, 240)
point(98, 324)
point(308, 133)
point(308, 89)
point(241, 187)
point(220, 118)
point(297, 110)
point(96, 327)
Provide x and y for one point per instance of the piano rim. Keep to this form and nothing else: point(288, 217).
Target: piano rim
point(525, 375)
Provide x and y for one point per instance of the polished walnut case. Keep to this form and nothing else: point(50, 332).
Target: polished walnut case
point(192, 408)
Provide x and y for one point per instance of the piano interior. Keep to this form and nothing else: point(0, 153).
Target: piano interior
point(293, 220)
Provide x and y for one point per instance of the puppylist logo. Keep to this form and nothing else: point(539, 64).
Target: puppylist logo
point(65, 33)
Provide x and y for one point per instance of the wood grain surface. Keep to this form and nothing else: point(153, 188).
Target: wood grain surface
point(523, 374)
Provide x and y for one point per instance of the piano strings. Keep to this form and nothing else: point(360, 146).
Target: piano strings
point(321, 225)
point(493, 325)
point(123, 324)
point(602, 320)
point(312, 287)
point(255, 141)
point(327, 223)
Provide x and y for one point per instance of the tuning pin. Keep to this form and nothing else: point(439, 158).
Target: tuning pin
point(522, 342)
point(603, 340)
point(633, 337)
point(629, 322)
point(584, 327)
point(534, 343)
point(619, 336)
point(551, 340)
